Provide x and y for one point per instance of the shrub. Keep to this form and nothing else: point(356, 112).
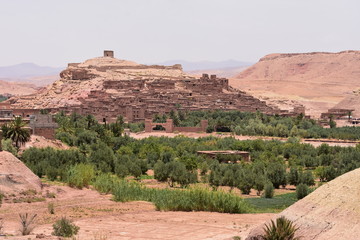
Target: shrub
point(282, 229)
point(302, 190)
point(80, 175)
point(269, 190)
point(66, 138)
point(26, 223)
point(104, 183)
point(1, 198)
point(51, 208)
point(65, 228)
point(8, 146)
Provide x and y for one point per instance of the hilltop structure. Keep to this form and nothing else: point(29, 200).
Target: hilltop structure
point(107, 87)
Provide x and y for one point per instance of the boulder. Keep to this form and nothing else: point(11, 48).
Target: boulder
point(15, 177)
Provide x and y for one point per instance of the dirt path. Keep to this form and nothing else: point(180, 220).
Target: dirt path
point(98, 216)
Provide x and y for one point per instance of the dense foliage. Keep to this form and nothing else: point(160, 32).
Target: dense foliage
point(246, 123)
point(197, 199)
point(102, 153)
point(175, 160)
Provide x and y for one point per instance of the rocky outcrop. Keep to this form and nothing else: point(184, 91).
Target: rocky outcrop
point(108, 87)
point(15, 177)
point(331, 212)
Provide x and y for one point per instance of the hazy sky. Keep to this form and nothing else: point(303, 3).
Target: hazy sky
point(55, 32)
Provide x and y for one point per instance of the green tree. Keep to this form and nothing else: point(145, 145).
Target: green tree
point(215, 177)
point(293, 176)
point(246, 181)
point(90, 121)
point(332, 123)
point(302, 191)
point(276, 173)
point(259, 183)
point(229, 179)
point(269, 190)
point(17, 132)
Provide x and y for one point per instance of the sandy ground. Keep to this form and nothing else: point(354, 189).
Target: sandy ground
point(314, 142)
point(42, 142)
point(98, 216)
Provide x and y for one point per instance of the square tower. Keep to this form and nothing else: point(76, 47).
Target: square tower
point(108, 53)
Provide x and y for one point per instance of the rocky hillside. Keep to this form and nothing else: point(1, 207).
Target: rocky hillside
point(78, 80)
point(16, 88)
point(107, 87)
point(331, 212)
point(317, 80)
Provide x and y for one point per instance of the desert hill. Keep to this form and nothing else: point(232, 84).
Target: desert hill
point(317, 80)
point(331, 212)
point(107, 87)
point(17, 88)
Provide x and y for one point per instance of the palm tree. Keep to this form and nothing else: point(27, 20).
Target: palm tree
point(283, 229)
point(16, 131)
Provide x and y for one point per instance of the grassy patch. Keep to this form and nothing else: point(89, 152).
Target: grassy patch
point(142, 177)
point(196, 199)
point(272, 205)
point(29, 200)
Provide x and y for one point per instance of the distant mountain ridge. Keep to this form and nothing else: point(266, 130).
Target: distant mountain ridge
point(30, 73)
point(207, 65)
point(27, 70)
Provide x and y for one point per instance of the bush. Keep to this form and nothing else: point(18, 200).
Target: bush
point(65, 228)
point(283, 229)
point(1, 198)
point(302, 190)
point(8, 146)
point(104, 183)
point(80, 175)
point(269, 190)
point(26, 223)
point(51, 208)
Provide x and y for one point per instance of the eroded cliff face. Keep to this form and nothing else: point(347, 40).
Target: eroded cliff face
point(317, 80)
point(107, 87)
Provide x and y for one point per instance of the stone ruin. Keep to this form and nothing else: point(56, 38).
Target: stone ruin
point(43, 125)
point(108, 53)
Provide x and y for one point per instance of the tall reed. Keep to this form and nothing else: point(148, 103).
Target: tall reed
point(193, 199)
